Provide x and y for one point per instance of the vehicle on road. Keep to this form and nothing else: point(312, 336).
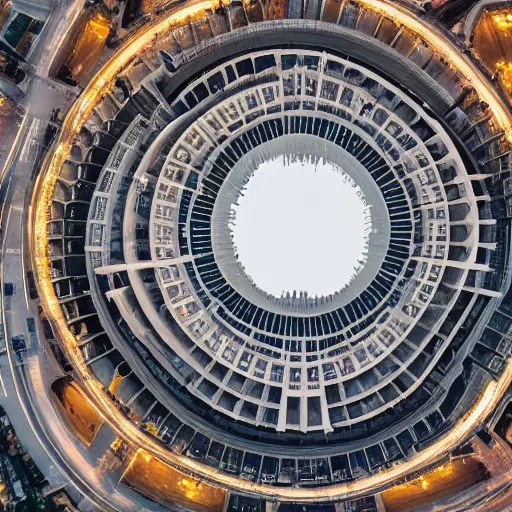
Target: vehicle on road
point(32, 290)
point(31, 325)
point(18, 343)
point(2, 339)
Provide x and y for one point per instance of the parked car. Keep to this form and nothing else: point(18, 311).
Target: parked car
point(32, 290)
point(18, 343)
point(31, 325)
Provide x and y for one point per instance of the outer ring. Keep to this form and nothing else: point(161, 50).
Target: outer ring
point(42, 197)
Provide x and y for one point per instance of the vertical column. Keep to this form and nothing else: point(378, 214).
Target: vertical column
point(326, 421)
point(381, 507)
point(304, 413)
point(281, 422)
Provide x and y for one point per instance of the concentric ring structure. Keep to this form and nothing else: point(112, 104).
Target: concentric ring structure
point(179, 350)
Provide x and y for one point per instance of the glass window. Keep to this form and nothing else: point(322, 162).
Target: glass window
point(21, 33)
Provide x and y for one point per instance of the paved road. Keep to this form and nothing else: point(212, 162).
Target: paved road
point(24, 383)
point(27, 381)
point(15, 314)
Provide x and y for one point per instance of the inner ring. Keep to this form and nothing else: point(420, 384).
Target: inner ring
point(228, 195)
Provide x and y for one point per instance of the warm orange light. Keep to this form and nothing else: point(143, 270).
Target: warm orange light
point(503, 21)
point(99, 26)
point(504, 69)
point(116, 445)
point(191, 489)
point(173, 485)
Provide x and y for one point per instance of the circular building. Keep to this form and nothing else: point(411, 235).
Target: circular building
point(217, 351)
